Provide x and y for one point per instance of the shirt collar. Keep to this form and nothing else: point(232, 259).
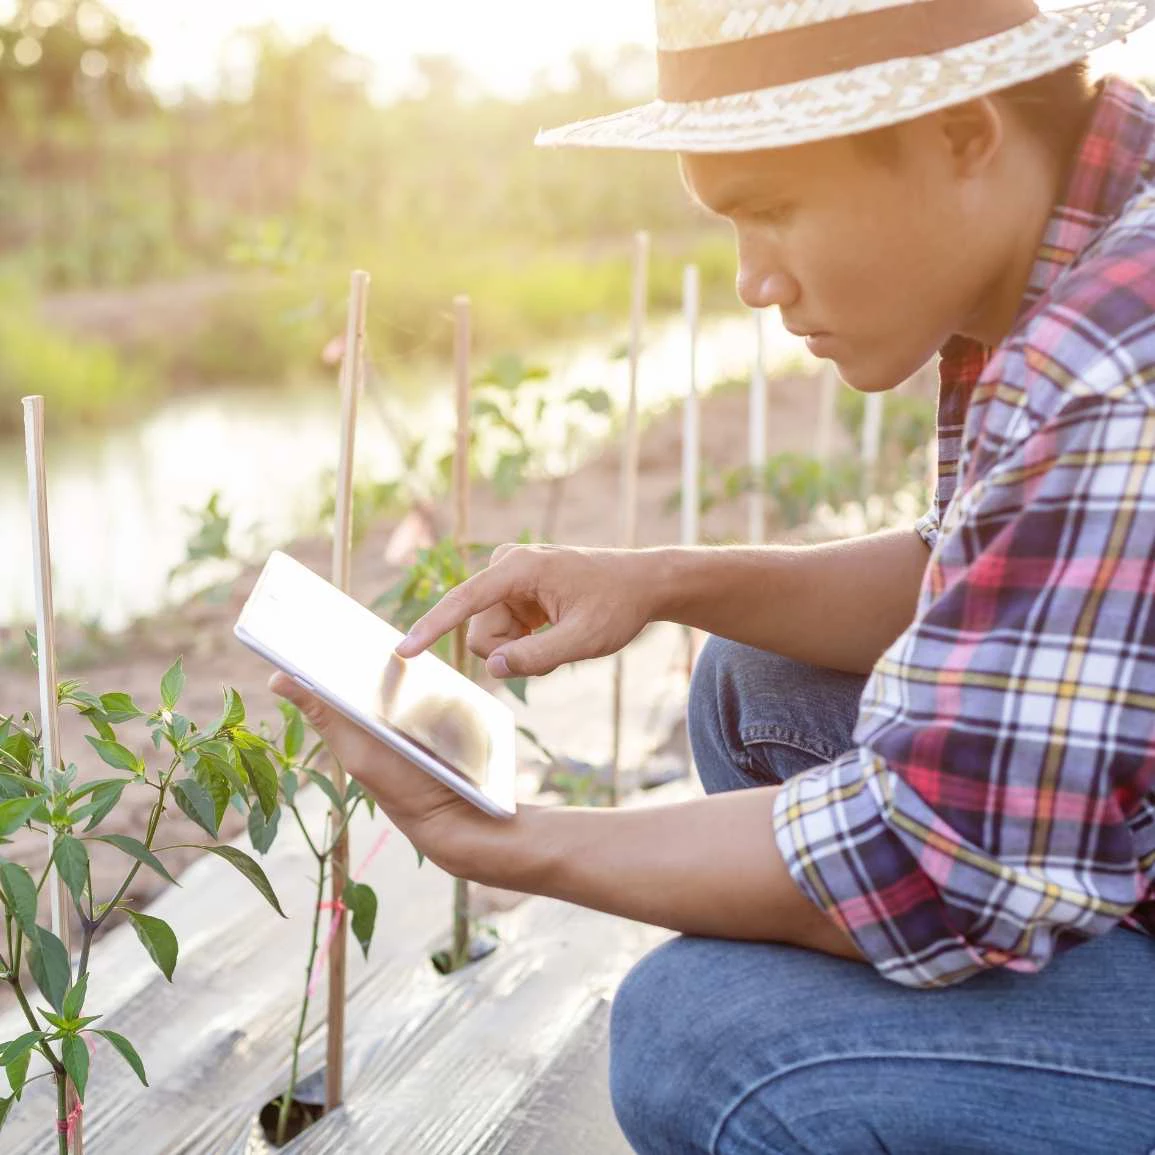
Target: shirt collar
point(1112, 160)
point(1108, 169)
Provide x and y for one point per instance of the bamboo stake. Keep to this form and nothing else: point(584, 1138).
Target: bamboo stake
point(461, 351)
point(46, 666)
point(352, 380)
point(628, 528)
point(758, 404)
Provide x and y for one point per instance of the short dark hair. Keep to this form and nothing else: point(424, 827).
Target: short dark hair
point(1054, 108)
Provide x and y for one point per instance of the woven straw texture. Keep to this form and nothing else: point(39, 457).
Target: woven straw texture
point(849, 102)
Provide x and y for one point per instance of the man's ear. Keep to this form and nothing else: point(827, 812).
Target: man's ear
point(973, 134)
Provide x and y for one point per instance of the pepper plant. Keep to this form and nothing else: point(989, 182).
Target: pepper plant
point(297, 752)
point(201, 769)
point(535, 431)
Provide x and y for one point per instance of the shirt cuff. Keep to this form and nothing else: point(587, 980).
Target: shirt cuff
point(927, 528)
point(831, 831)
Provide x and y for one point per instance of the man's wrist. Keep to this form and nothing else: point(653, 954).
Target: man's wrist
point(510, 853)
point(664, 578)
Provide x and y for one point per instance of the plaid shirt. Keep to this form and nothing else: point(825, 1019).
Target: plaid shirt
point(999, 805)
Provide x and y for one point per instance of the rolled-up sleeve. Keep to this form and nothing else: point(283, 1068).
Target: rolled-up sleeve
point(997, 808)
point(927, 528)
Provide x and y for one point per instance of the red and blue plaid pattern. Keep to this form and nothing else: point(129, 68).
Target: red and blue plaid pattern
point(999, 805)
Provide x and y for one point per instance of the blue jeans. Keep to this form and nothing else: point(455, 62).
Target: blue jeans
point(732, 1048)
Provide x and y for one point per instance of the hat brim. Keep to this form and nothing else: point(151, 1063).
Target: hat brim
point(862, 99)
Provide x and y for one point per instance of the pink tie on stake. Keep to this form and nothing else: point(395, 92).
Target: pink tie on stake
point(338, 908)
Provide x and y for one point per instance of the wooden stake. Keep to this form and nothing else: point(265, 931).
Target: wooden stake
point(46, 666)
point(628, 527)
point(352, 380)
point(757, 525)
point(461, 351)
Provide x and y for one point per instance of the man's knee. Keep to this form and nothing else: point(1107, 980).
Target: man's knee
point(649, 1066)
point(678, 1062)
point(756, 717)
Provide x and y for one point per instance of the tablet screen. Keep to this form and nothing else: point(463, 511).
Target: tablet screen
point(341, 646)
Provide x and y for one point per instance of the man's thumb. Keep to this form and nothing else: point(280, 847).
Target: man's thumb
point(316, 712)
point(533, 656)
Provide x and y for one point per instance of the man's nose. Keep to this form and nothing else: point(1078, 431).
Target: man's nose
point(761, 290)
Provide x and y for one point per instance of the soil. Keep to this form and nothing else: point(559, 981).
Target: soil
point(201, 629)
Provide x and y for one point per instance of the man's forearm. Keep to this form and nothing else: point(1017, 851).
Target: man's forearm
point(838, 605)
point(707, 867)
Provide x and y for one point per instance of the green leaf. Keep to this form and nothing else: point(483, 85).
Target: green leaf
point(518, 687)
point(362, 904)
point(595, 400)
point(263, 777)
point(5, 1108)
point(21, 1047)
point(224, 764)
point(117, 756)
point(17, 785)
point(197, 804)
point(71, 861)
point(136, 849)
point(158, 940)
point(19, 895)
point(294, 738)
point(172, 684)
point(119, 708)
point(17, 1072)
point(180, 727)
point(16, 813)
point(74, 1000)
point(326, 787)
point(100, 724)
point(219, 791)
point(234, 711)
point(50, 967)
point(127, 1052)
point(103, 801)
point(74, 1055)
point(289, 785)
point(250, 870)
point(58, 1021)
point(262, 831)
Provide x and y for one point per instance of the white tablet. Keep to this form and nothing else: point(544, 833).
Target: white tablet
point(422, 708)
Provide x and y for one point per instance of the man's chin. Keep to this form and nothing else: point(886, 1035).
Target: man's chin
point(869, 374)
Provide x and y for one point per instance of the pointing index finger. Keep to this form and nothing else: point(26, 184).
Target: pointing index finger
point(471, 597)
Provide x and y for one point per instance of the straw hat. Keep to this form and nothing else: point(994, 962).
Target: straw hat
point(739, 75)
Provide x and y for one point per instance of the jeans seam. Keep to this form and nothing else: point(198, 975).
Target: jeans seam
point(914, 1056)
point(773, 732)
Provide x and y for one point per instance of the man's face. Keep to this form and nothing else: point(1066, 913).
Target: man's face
point(870, 253)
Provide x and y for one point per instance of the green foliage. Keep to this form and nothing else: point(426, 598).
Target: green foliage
point(54, 805)
point(81, 379)
point(533, 431)
point(436, 571)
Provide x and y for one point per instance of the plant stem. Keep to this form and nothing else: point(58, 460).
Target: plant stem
point(460, 922)
point(314, 946)
point(304, 831)
point(61, 1113)
point(91, 927)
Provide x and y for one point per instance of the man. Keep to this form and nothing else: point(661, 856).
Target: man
point(931, 752)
